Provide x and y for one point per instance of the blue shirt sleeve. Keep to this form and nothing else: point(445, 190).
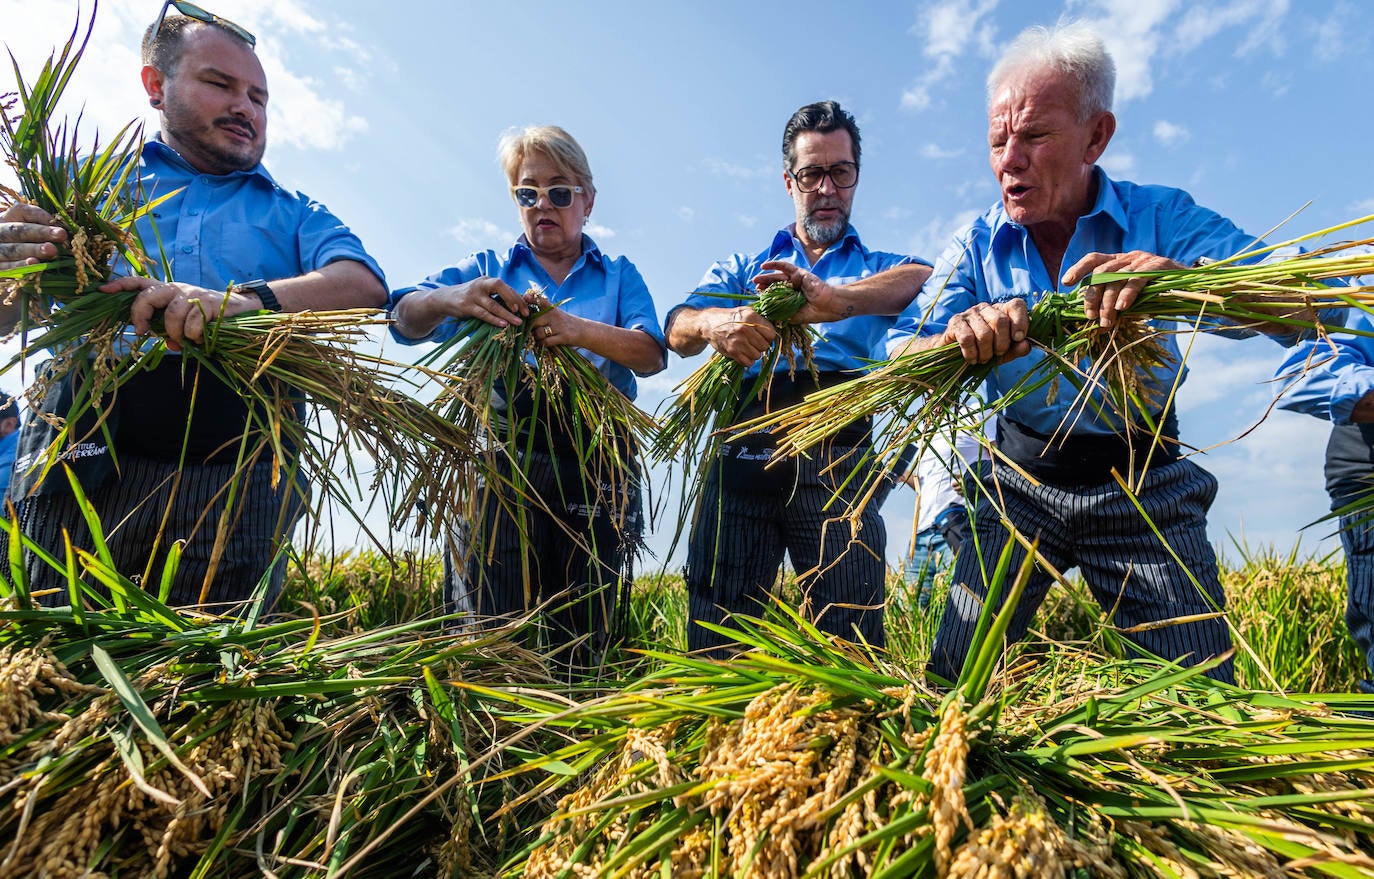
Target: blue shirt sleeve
point(469, 269)
point(726, 276)
point(323, 238)
point(1327, 377)
point(951, 288)
point(635, 310)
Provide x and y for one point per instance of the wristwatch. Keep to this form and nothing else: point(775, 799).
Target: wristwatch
point(263, 292)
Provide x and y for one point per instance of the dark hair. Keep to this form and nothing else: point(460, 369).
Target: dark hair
point(10, 409)
point(822, 117)
point(164, 50)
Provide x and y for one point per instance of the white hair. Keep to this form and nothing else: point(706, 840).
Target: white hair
point(1071, 48)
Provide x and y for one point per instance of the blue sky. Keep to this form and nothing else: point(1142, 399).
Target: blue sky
point(390, 114)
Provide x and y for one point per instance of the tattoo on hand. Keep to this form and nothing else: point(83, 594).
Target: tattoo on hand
point(848, 312)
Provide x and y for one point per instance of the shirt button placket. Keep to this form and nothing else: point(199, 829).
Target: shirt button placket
point(189, 269)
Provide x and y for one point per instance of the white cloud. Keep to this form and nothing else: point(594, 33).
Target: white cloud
point(1333, 32)
point(935, 151)
point(479, 234)
point(1118, 163)
point(980, 186)
point(1169, 134)
point(1281, 458)
point(686, 213)
point(1131, 31)
point(895, 213)
point(948, 30)
point(723, 168)
point(1362, 208)
point(917, 97)
point(1202, 22)
point(304, 112)
point(1135, 33)
point(598, 231)
point(930, 240)
point(350, 77)
point(1227, 371)
point(748, 221)
point(302, 116)
point(1276, 83)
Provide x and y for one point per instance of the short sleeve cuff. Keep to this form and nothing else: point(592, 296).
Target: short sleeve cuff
point(1350, 389)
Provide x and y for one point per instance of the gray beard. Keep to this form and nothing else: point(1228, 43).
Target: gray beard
point(825, 234)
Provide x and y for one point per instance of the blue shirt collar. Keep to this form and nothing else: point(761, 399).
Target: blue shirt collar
point(522, 250)
point(786, 241)
point(158, 147)
point(1107, 203)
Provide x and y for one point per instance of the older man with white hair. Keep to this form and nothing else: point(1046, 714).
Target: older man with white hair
point(1059, 220)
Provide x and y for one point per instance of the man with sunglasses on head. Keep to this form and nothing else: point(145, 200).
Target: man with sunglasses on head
point(749, 516)
point(236, 242)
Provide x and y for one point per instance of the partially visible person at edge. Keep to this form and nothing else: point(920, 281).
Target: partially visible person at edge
point(232, 228)
point(941, 525)
point(1060, 219)
point(577, 548)
point(748, 515)
point(10, 422)
point(1334, 380)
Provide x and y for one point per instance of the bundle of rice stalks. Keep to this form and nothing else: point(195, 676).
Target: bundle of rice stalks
point(275, 360)
point(135, 740)
point(93, 193)
point(553, 397)
point(271, 359)
point(807, 758)
point(709, 398)
point(1107, 366)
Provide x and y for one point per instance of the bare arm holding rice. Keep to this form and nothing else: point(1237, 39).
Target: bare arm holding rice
point(884, 293)
point(739, 333)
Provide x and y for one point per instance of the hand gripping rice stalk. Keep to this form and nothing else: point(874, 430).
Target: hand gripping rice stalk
point(922, 390)
point(552, 394)
point(93, 193)
point(269, 358)
point(708, 400)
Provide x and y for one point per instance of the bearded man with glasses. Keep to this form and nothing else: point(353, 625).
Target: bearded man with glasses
point(236, 241)
point(750, 516)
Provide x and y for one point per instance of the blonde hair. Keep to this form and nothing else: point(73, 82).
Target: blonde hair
point(551, 141)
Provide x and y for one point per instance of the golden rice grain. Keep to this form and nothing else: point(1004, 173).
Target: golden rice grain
point(945, 767)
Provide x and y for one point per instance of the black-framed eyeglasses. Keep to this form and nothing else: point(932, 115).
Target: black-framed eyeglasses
point(559, 196)
point(843, 174)
point(191, 10)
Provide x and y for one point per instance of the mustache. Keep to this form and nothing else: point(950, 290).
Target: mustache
point(237, 123)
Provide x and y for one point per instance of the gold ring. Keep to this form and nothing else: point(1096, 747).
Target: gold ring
point(548, 332)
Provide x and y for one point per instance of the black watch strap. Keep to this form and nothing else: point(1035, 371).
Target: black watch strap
point(263, 292)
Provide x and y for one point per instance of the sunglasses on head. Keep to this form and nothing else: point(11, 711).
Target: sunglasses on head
point(191, 10)
point(559, 196)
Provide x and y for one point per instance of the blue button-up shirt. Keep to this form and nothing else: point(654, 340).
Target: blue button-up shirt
point(600, 288)
point(853, 343)
point(242, 226)
point(1338, 373)
point(994, 260)
point(8, 446)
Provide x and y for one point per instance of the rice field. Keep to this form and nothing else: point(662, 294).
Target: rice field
point(363, 734)
point(360, 731)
